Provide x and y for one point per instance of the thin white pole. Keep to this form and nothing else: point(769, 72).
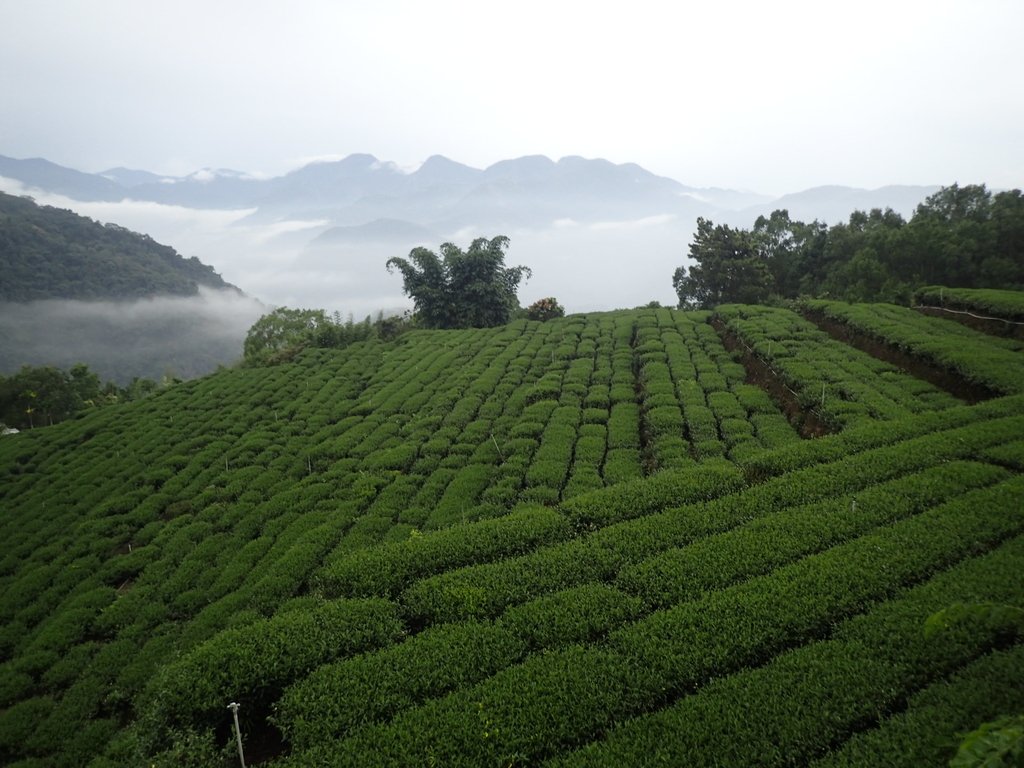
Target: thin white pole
point(233, 706)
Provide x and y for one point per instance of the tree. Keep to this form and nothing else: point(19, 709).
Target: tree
point(728, 268)
point(791, 249)
point(545, 309)
point(461, 289)
point(282, 329)
point(44, 395)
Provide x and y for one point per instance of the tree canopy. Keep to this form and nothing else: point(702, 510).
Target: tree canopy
point(728, 268)
point(278, 335)
point(282, 329)
point(461, 289)
point(48, 252)
point(960, 237)
point(38, 396)
point(545, 309)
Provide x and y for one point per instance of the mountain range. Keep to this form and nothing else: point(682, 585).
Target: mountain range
point(364, 197)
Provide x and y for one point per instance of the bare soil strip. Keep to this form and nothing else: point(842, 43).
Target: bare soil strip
point(807, 423)
point(941, 377)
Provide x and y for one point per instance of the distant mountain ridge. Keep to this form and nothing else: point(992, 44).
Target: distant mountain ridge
point(360, 199)
point(445, 195)
point(442, 194)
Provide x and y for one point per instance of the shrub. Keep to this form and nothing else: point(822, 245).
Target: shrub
point(251, 665)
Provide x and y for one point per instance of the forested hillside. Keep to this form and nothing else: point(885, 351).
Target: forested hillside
point(49, 253)
point(74, 291)
point(625, 538)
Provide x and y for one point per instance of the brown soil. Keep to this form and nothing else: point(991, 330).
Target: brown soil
point(806, 423)
point(991, 326)
point(943, 378)
point(263, 745)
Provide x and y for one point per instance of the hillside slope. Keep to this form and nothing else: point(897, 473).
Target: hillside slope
point(49, 253)
point(595, 541)
point(73, 290)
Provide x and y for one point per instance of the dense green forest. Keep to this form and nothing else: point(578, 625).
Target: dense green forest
point(638, 537)
point(50, 253)
point(44, 396)
point(73, 291)
point(964, 237)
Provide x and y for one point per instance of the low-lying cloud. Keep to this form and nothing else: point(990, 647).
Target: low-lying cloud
point(588, 266)
point(150, 338)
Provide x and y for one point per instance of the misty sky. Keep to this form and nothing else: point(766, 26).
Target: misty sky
point(769, 96)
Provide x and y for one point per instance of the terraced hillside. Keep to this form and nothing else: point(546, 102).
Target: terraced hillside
point(600, 540)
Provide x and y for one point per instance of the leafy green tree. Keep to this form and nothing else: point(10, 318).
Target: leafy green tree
point(461, 289)
point(44, 395)
point(85, 385)
point(951, 236)
point(727, 268)
point(283, 329)
point(863, 259)
point(961, 237)
point(1005, 264)
point(792, 250)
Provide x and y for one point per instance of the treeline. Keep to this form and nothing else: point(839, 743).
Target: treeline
point(280, 335)
point(48, 252)
point(43, 396)
point(962, 237)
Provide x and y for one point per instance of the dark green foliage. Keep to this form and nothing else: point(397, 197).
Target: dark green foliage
point(964, 237)
point(53, 253)
point(251, 665)
point(386, 570)
point(728, 269)
point(641, 497)
point(461, 289)
point(339, 697)
point(43, 396)
point(925, 733)
point(804, 701)
point(837, 383)
point(578, 615)
point(1006, 305)
point(772, 540)
point(173, 543)
point(976, 357)
point(551, 701)
point(280, 335)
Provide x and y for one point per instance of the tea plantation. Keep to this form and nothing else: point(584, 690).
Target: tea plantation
point(599, 540)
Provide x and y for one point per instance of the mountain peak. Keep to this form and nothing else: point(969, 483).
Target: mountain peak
point(438, 169)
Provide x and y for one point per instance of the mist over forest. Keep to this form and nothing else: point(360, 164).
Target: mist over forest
point(177, 336)
point(595, 234)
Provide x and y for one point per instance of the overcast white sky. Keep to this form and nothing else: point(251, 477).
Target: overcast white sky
point(769, 96)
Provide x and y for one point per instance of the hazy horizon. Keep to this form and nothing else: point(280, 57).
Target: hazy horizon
point(771, 98)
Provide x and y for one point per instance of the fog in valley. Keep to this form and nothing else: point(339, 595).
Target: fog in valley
point(175, 336)
point(586, 265)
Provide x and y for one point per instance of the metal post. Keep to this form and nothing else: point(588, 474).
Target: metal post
point(233, 706)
